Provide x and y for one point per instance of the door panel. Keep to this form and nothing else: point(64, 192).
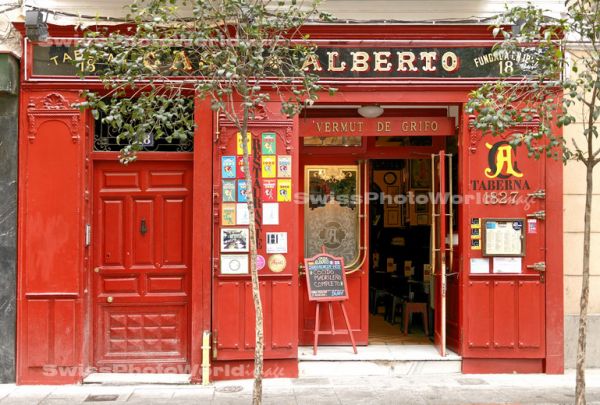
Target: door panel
point(141, 276)
point(325, 230)
point(439, 231)
point(233, 315)
point(505, 184)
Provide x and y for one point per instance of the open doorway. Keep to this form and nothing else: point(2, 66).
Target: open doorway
point(402, 288)
point(401, 293)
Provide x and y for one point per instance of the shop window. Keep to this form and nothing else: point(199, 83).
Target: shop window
point(106, 138)
point(395, 141)
point(331, 214)
point(351, 141)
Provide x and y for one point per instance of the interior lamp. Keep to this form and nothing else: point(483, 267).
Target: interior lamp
point(370, 111)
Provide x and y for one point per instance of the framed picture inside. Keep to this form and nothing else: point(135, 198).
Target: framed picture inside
point(393, 193)
point(420, 173)
point(419, 207)
point(234, 239)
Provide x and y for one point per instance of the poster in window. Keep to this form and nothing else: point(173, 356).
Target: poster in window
point(420, 173)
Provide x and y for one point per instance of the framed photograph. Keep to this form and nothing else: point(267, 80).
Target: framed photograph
point(420, 173)
point(419, 207)
point(393, 192)
point(234, 264)
point(234, 239)
point(391, 218)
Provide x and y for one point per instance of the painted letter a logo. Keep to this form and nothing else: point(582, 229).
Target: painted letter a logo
point(500, 161)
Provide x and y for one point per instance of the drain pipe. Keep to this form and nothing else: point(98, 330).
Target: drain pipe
point(206, 358)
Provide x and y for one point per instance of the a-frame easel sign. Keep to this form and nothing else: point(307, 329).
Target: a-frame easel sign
point(326, 281)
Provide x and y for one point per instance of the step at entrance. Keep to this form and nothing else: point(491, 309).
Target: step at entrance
point(137, 378)
point(375, 360)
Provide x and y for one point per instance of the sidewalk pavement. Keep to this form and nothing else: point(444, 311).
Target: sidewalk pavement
point(407, 389)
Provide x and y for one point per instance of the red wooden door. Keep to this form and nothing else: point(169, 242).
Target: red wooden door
point(233, 315)
point(505, 303)
point(141, 264)
point(334, 226)
point(439, 249)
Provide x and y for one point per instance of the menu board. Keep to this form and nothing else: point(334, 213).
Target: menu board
point(326, 278)
point(503, 237)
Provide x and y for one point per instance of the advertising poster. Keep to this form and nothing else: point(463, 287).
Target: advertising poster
point(269, 167)
point(229, 191)
point(268, 143)
point(284, 166)
point(284, 190)
point(269, 188)
point(241, 194)
point(240, 147)
point(228, 214)
point(228, 167)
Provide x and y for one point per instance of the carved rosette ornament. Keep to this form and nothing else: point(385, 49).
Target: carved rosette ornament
point(52, 107)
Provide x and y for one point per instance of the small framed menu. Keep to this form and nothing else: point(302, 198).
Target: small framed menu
point(503, 236)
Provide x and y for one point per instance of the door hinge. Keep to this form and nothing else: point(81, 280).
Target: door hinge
point(88, 235)
point(539, 266)
point(541, 215)
point(541, 194)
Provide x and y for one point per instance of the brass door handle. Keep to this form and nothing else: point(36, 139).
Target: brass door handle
point(109, 299)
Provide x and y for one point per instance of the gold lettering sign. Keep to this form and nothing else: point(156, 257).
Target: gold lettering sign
point(425, 126)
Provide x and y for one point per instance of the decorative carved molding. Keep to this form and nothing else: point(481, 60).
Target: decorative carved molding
point(52, 107)
point(55, 101)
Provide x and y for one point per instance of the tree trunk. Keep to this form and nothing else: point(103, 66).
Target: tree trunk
point(585, 287)
point(259, 345)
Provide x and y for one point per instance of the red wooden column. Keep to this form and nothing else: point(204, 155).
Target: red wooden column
point(51, 239)
point(202, 230)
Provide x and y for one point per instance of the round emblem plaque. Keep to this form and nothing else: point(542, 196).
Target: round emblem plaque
point(260, 262)
point(277, 263)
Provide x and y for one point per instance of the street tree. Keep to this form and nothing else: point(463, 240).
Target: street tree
point(560, 86)
point(239, 54)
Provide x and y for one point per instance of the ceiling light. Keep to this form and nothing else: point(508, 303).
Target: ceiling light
point(370, 111)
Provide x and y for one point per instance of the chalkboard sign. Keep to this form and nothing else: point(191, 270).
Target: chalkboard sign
point(326, 278)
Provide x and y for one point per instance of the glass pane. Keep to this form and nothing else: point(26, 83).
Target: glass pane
point(332, 141)
point(331, 214)
point(394, 141)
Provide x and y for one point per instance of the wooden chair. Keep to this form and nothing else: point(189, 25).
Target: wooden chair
point(409, 308)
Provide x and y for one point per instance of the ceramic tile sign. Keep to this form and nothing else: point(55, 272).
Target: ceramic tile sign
point(269, 166)
point(241, 191)
point(242, 215)
point(270, 214)
point(228, 214)
point(269, 188)
point(240, 146)
point(234, 264)
point(269, 143)
point(277, 242)
point(228, 167)
point(234, 239)
point(229, 191)
point(240, 167)
point(284, 166)
point(284, 190)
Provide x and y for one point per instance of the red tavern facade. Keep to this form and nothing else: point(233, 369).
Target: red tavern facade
point(145, 266)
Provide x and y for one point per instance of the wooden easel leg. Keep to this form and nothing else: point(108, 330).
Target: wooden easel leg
point(316, 332)
point(348, 326)
point(331, 318)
